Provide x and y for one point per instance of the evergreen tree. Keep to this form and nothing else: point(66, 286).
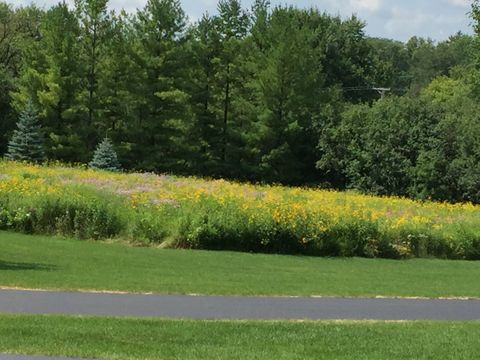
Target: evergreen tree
point(7, 121)
point(159, 135)
point(17, 30)
point(105, 157)
point(204, 87)
point(52, 78)
point(27, 141)
point(233, 25)
point(95, 24)
point(292, 97)
point(118, 87)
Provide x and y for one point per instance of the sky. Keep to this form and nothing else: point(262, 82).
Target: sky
point(394, 19)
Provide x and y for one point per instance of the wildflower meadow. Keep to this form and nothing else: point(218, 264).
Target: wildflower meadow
point(178, 212)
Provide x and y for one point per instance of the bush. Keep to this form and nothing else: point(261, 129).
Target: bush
point(86, 218)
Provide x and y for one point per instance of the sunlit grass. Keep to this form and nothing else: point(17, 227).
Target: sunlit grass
point(55, 263)
point(113, 338)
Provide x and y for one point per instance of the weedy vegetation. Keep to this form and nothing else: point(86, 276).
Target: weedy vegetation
point(178, 212)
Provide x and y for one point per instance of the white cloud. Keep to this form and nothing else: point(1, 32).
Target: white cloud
point(461, 3)
point(368, 5)
point(403, 20)
point(405, 23)
point(209, 3)
point(128, 5)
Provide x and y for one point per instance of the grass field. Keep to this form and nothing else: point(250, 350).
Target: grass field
point(55, 263)
point(110, 338)
point(221, 215)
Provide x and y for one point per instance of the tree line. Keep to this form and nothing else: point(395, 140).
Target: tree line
point(270, 93)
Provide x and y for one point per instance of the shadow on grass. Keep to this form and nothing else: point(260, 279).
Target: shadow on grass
point(7, 265)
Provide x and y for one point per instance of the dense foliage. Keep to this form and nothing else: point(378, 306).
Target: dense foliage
point(273, 94)
point(219, 215)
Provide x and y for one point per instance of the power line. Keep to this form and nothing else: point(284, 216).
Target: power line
point(383, 91)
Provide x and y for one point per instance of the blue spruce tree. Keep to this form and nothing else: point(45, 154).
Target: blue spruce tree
point(27, 142)
point(105, 157)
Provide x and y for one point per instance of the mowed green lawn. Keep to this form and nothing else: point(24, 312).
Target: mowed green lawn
point(55, 263)
point(113, 338)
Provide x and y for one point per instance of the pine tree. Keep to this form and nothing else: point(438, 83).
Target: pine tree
point(160, 136)
point(27, 142)
point(52, 77)
point(94, 20)
point(233, 24)
point(105, 157)
point(206, 40)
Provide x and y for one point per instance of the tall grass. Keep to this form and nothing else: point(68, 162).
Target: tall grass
point(207, 214)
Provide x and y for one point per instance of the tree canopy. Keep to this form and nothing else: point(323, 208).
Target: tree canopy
point(268, 93)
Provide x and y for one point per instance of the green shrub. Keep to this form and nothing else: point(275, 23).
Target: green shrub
point(91, 217)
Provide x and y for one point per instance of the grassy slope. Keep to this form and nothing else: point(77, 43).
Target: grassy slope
point(110, 338)
point(54, 263)
point(202, 214)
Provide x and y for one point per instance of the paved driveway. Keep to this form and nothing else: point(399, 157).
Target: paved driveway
point(230, 308)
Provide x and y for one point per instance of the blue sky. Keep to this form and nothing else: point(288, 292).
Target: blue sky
point(396, 19)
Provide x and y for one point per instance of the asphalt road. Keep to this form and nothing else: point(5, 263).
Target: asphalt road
point(230, 308)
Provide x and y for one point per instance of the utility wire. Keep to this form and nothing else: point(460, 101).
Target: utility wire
point(381, 90)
